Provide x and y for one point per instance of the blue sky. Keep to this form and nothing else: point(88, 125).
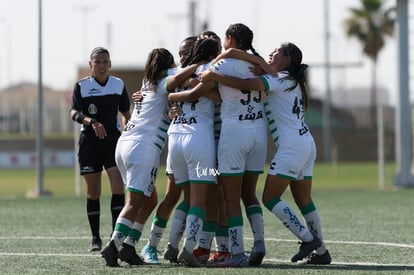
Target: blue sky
point(131, 28)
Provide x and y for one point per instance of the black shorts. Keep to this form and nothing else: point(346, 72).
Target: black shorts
point(95, 153)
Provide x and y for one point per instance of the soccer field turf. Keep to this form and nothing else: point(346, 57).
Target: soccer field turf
point(366, 232)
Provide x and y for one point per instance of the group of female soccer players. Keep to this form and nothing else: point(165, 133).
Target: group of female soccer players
point(216, 109)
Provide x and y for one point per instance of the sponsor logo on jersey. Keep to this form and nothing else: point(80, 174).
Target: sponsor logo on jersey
point(87, 169)
point(94, 91)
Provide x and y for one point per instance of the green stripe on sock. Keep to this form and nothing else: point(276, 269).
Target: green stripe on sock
point(197, 211)
point(254, 209)
point(122, 228)
point(271, 203)
point(235, 221)
point(308, 208)
point(222, 231)
point(209, 226)
point(134, 234)
point(183, 207)
point(160, 222)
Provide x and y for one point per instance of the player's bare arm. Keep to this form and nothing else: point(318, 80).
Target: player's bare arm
point(195, 93)
point(252, 84)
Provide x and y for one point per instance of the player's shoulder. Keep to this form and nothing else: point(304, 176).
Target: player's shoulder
point(231, 66)
point(115, 79)
point(162, 85)
point(222, 62)
point(172, 71)
point(85, 79)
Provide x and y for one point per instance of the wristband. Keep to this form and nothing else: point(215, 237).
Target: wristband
point(78, 117)
point(92, 121)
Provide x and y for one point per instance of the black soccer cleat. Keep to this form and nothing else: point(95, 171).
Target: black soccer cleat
point(306, 248)
point(257, 254)
point(127, 253)
point(96, 244)
point(319, 259)
point(110, 254)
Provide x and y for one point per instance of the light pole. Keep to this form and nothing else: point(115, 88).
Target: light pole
point(39, 143)
point(404, 176)
point(39, 140)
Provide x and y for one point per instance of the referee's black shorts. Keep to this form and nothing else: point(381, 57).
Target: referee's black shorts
point(95, 153)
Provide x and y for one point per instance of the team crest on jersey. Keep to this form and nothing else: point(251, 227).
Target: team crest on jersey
point(92, 109)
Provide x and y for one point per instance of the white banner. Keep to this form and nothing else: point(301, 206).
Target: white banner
point(14, 160)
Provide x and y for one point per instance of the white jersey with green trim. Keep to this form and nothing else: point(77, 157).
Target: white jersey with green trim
point(149, 120)
point(285, 108)
point(239, 108)
point(197, 116)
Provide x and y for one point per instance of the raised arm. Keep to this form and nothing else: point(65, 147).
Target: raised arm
point(252, 84)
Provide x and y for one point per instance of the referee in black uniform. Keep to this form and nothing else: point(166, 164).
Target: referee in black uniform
point(96, 101)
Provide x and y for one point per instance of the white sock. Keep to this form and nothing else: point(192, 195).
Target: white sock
point(177, 227)
point(194, 225)
point(313, 221)
point(135, 234)
point(222, 244)
point(290, 220)
point(255, 215)
point(222, 239)
point(207, 235)
point(155, 235)
point(121, 230)
point(236, 240)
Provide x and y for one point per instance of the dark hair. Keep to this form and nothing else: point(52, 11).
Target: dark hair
point(187, 54)
point(203, 50)
point(296, 69)
point(99, 50)
point(243, 36)
point(158, 60)
point(208, 34)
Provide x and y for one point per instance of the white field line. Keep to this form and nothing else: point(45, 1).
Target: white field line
point(266, 260)
point(401, 245)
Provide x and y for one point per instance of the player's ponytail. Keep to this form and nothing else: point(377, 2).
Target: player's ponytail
point(296, 68)
point(243, 36)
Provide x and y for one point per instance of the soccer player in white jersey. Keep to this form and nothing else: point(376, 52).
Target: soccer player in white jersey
point(241, 150)
point(173, 192)
point(138, 154)
point(192, 148)
point(292, 165)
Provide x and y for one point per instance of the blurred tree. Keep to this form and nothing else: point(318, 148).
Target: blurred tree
point(370, 24)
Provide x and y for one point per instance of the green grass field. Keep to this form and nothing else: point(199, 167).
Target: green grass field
point(367, 231)
point(61, 181)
